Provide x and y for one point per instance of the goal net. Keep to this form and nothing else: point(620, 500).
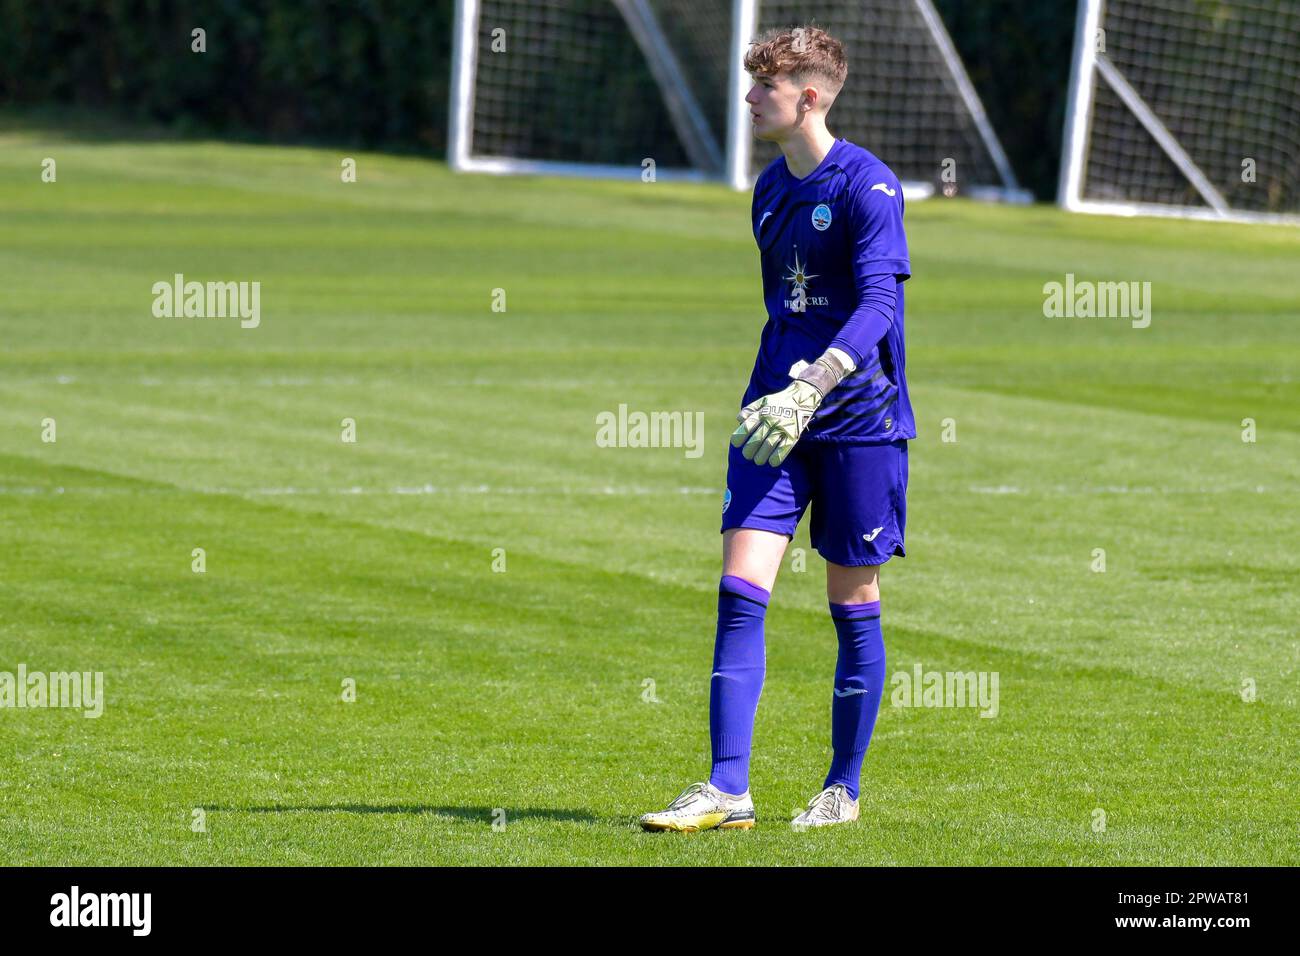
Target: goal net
point(594, 88)
point(1185, 108)
point(907, 97)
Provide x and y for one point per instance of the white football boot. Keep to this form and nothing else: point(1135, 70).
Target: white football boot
point(702, 806)
point(830, 806)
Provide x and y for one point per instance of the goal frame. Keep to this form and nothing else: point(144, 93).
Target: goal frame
point(731, 168)
point(1089, 67)
point(460, 138)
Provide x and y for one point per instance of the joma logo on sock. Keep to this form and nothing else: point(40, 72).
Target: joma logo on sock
point(103, 909)
point(213, 300)
point(946, 689)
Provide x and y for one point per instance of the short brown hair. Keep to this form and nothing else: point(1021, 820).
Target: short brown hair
point(802, 52)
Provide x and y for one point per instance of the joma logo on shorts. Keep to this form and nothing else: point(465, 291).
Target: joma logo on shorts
point(872, 536)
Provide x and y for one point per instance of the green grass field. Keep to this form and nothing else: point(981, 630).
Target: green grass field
point(524, 690)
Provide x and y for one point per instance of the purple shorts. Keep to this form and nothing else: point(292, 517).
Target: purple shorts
point(858, 495)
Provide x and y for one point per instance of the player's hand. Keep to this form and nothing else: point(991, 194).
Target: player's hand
point(770, 426)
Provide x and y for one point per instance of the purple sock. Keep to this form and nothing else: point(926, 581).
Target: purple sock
point(859, 684)
point(739, 663)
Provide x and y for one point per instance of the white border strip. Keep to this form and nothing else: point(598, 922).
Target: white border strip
point(509, 166)
point(1115, 208)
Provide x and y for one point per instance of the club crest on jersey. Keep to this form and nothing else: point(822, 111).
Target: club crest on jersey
point(821, 217)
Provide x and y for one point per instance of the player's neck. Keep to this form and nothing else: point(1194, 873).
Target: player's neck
point(805, 149)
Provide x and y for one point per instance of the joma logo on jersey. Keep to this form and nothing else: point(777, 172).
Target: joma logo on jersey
point(799, 277)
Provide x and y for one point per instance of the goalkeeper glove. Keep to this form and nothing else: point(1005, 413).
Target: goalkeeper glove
point(770, 426)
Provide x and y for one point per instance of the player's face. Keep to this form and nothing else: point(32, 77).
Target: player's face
point(773, 106)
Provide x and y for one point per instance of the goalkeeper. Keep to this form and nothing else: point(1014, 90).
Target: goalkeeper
point(825, 420)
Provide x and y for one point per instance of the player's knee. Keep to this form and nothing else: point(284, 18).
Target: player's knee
point(753, 555)
point(849, 584)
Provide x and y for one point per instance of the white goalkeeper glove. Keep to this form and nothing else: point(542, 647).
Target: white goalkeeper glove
point(770, 426)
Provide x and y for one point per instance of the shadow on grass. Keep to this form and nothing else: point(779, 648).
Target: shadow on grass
point(474, 814)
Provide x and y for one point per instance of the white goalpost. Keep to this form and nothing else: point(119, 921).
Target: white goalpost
point(1184, 108)
point(468, 45)
point(588, 88)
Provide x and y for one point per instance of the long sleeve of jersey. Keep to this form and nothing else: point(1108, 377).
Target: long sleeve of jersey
point(879, 259)
point(877, 295)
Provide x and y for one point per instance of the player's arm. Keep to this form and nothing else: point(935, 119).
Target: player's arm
point(771, 425)
point(879, 258)
point(870, 321)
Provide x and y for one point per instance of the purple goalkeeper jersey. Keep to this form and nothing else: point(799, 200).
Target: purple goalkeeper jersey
point(830, 244)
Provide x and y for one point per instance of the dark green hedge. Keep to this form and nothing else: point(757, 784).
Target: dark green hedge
point(372, 73)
